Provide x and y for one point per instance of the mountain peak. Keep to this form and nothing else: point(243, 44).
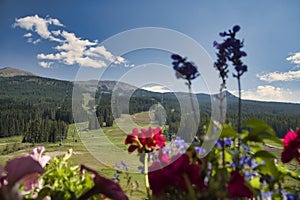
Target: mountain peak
point(11, 72)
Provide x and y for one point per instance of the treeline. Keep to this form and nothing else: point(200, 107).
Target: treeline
point(45, 130)
point(38, 108)
point(36, 124)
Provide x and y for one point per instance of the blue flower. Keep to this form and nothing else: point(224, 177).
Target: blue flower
point(266, 195)
point(248, 175)
point(245, 147)
point(141, 168)
point(253, 164)
point(228, 141)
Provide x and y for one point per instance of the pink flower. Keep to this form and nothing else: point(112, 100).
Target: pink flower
point(291, 142)
point(146, 140)
point(37, 154)
point(236, 186)
point(31, 181)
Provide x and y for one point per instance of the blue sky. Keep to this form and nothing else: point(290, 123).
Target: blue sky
point(58, 39)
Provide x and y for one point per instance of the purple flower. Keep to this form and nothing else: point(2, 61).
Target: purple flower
point(230, 50)
point(184, 69)
point(124, 165)
point(200, 150)
point(236, 28)
point(20, 170)
point(141, 168)
point(117, 165)
point(103, 186)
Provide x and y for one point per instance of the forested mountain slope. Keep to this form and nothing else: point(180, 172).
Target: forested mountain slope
point(29, 103)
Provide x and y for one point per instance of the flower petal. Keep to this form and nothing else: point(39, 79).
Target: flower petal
point(236, 186)
point(131, 148)
point(20, 167)
point(103, 186)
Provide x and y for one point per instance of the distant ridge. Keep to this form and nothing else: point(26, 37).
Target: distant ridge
point(11, 72)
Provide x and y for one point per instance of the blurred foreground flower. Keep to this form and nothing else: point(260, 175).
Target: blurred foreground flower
point(236, 186)
point(103, 186)
point(174, 175)
point(291, 142)
point(21, 170)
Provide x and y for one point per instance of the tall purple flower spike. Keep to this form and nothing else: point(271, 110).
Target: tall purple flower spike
point(230, 50)
point(184, 69)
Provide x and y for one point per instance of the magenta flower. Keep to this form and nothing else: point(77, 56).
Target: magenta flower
point(172, 176)
point(146, 140)
point(236, 186)
point(291, 142)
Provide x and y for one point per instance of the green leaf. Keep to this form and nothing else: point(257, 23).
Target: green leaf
point(276, 196)
point(228, 157)
point(228, 132)
point(259, 131)
point(255, 183)
point(264, 154)
point(269, 167)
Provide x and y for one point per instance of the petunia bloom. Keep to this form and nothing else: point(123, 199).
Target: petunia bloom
point(18, 171)
point(103, 186)
point(146, 140)
point(31, 181)
point(236, 186)
point(291, 142)
point(173, 175)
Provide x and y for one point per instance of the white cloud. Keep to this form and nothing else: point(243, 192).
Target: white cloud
point(37, 24)
point(70, 49)
point(45, 64)
point(27, 35)
point(57, 32)
point(270, 93)
point(280, 76)
point(157, 88)
point(295, 58)
point(36, 41)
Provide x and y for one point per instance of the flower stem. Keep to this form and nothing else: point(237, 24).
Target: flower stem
point(146, 175)
point(193, 106)
point(222, 121)
point(239, 115)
